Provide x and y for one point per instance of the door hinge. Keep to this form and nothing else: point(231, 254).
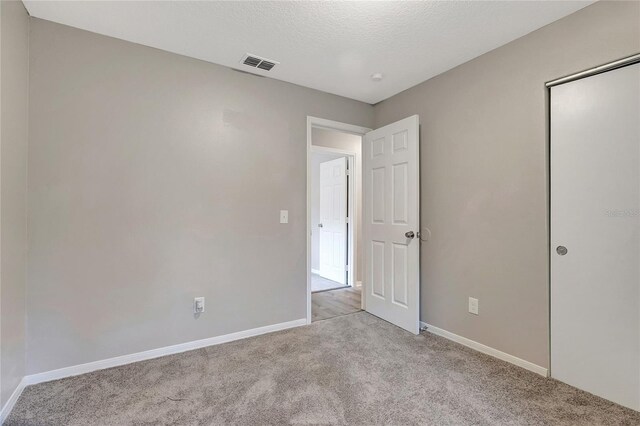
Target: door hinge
point(347, 172)
point(347, 219)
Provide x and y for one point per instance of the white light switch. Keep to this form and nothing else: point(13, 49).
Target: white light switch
point(198, 305)
point(473, 306)
point(284, 216)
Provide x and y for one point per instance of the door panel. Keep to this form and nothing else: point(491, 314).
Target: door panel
point(377, 268)
point(399, 282)
point(595, 215)
point(377, 194)
point(400, 196)
point(333, 219)
point(391, 209)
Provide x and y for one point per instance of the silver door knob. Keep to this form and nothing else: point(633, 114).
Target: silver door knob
point(319, 225)
point(409, 234)
point(561, 250)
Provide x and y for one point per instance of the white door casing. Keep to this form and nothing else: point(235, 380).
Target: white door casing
point(391, 210)
point(595, 215)
point(333, 220)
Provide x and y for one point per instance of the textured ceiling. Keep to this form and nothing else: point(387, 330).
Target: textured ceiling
point(329, 46)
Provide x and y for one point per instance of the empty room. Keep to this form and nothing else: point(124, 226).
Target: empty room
point(327, 213)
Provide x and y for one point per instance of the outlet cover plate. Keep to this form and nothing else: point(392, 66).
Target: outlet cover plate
point(198, 305)
point(284, 216)
point(473, 306)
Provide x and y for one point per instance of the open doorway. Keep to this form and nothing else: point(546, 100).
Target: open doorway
point(387, 216)
point(334, 203)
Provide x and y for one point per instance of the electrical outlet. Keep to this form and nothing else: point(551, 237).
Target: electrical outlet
point(198, 305)
point(284, 216)
point(473, 306)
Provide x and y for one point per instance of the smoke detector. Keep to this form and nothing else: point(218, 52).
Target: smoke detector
point(255, 61)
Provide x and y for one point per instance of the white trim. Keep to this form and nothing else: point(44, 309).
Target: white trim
point(11, 402)
point(487, 350)
point(358, 284)
point(331, 125)
point(323, 123)
point(155, 353)
point(319, 148)
point(315, 271)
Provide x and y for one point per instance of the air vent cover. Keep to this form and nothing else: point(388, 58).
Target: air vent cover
point(255, 61)
point(251, 61)
point(266, 65)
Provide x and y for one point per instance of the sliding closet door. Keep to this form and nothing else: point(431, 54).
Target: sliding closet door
point(595, 225)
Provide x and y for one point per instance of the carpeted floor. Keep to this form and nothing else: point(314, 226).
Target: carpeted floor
point(354, 369)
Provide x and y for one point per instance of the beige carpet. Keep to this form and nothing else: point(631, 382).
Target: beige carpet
point(354, 369)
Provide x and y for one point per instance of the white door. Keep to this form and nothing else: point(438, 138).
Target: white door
point(333, 220)
point(595, 221)
point(391, 210)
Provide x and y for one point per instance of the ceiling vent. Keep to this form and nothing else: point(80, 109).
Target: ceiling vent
point(254, 61)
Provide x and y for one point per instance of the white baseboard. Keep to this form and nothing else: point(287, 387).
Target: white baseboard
point(315, 271)
point(6, 410)
point(487, 350)
point(155, 353)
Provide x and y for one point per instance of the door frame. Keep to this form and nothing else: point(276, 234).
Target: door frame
point(321, 123)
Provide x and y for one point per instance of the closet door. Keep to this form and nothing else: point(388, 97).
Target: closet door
point(595, 224)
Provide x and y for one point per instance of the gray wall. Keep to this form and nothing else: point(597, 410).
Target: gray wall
point(348, 142)
point(484, 181)
point(14, 87)
point(155, 178)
